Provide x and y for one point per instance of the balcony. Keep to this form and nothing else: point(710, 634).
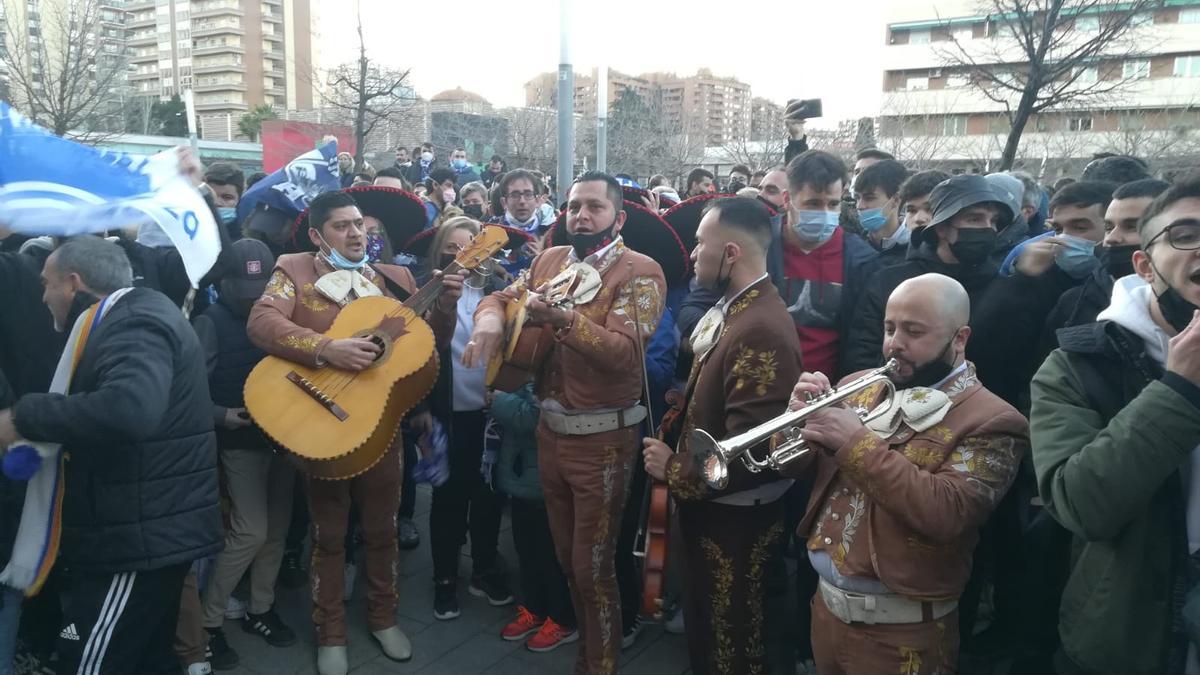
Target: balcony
point(143, 77)
point(221, 107)
point(132, 5)
point(273, 17)
point(144, 58)
point(221, 29)
point(275, 91)
point(273, 37)
point(143, 40)
point(273, 53)
point(218, 49)
point(217, 68)
point(230, 86)
point(228, 10)
point(144, 21)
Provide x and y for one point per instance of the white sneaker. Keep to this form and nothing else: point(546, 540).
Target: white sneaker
point(674, 625)
point(234, 609)
point(350, 575)
point(199, 669)
point(332, 661)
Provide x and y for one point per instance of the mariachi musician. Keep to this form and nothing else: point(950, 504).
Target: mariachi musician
point(589, 387)
point(304, 295)
point(747, 356)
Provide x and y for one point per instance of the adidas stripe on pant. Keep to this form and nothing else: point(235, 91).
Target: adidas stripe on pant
point(117, 624)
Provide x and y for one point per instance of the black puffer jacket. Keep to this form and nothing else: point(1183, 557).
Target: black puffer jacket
point(12, 493)
point(137, 428)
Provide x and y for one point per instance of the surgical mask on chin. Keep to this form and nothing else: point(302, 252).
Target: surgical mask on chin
point(339, 261)
point(1077, 257)
point(228, 214)
point(816, 226)
point(931, 373)
point(872, 220)
point(589, 243)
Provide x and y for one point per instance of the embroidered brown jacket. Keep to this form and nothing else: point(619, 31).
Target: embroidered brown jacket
point(290, 317)
point(907, 510)
point(594, 365)
point(745, 380)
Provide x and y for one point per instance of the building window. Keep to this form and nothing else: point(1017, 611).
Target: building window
point(1087, 24)
point(963, 34)
point(918, 37)
point(1080, 123)
point(1189, 16)
point(1136, 70)
point(1086, 76)
point(1141, 19)
point(1187, 66)
point(958, 81)
point(916, 83)
point(954, 125)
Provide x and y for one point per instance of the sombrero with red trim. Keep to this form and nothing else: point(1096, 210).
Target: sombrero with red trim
point(419, 244)
point(645, 232)
point(401, 212)
point(685, 217)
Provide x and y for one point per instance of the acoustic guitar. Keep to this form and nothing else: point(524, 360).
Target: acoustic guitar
point(337, 423)
point(526, 347)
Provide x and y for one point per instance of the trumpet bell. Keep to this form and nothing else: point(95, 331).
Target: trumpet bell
point(707, 453)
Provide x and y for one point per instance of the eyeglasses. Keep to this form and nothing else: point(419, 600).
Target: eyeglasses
point(1180, 236)
point(521, 194)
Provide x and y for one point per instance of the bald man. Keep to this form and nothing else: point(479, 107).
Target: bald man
point(897, 504)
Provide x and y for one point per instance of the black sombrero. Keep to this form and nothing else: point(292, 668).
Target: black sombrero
point(402, 214)
point(685, 217)
point(645, 232)
point(419, 245)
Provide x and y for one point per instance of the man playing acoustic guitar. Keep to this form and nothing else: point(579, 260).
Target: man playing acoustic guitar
point(588, 387)
point(302, 298)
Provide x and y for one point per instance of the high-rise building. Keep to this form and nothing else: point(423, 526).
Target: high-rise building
point(233, 54)
point(766, 119)
point(932, 113)
point(717, 108)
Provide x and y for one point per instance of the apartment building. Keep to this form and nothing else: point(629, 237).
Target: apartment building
point(233, 54)
point(933, 113)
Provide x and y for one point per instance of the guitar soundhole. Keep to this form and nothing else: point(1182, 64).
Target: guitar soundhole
point(379, 342)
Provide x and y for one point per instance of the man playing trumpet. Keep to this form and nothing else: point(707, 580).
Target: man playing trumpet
point(898, 502)
point(747, 357)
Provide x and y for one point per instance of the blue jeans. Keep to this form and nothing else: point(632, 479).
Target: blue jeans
point(10, 618)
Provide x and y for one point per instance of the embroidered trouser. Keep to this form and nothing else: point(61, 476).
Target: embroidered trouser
point(727, 552)
point(586, 482)
point(376, 493)
point(928, 648)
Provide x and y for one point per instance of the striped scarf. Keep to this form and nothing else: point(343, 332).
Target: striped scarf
point(40, 531)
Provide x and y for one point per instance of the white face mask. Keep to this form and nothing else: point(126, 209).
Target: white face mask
point(426, 157)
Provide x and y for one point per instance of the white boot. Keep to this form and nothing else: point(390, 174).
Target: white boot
point(332, 660)
point(394, 643)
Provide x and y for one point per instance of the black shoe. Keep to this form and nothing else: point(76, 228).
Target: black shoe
point(407, 534)
point(445, 601)
point(291, 572)
point(630, 632)
point(219, 654)
point(493, 586)
point(270, 628)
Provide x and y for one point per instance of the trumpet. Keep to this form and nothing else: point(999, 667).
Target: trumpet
point(783, 432)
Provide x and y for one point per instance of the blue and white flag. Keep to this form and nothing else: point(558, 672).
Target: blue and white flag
point(54, 186)
point(291, 188)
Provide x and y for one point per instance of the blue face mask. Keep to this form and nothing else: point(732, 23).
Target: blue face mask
point(228, 214)
point(459, 164)
point(1077, 257)
point(340, 261)
point(816, 226)
point(872, 220)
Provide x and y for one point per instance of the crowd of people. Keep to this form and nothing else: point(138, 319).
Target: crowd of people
point(999, 380)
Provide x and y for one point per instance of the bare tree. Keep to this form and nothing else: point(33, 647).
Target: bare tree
point(1041, 57)
point(533, 137)
point(67, 69)
point(366, 93)
point(758, 155)
point(920, 137)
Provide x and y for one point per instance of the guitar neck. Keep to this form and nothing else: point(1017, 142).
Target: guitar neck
point(423, 299)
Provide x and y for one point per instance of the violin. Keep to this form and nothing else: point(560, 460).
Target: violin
point(656, 516)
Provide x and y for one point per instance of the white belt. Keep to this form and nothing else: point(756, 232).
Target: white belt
point(872, 609)
point(584, 424)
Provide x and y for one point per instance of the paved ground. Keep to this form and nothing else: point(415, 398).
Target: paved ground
point(469, 644)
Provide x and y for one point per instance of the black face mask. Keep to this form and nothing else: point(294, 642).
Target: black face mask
point(80, 304)
point(446, 260)
point(931, 373)
point(735, 186)
point(720, 285)
point(587, 244)
point(973, 246)
point(1118, 260)
point(1175, 309)
point(473, 210)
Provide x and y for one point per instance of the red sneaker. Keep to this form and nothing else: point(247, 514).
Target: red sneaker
point(551, 636)
point(525, 624)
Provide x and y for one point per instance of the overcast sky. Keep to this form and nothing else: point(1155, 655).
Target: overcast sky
point(782, 48)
